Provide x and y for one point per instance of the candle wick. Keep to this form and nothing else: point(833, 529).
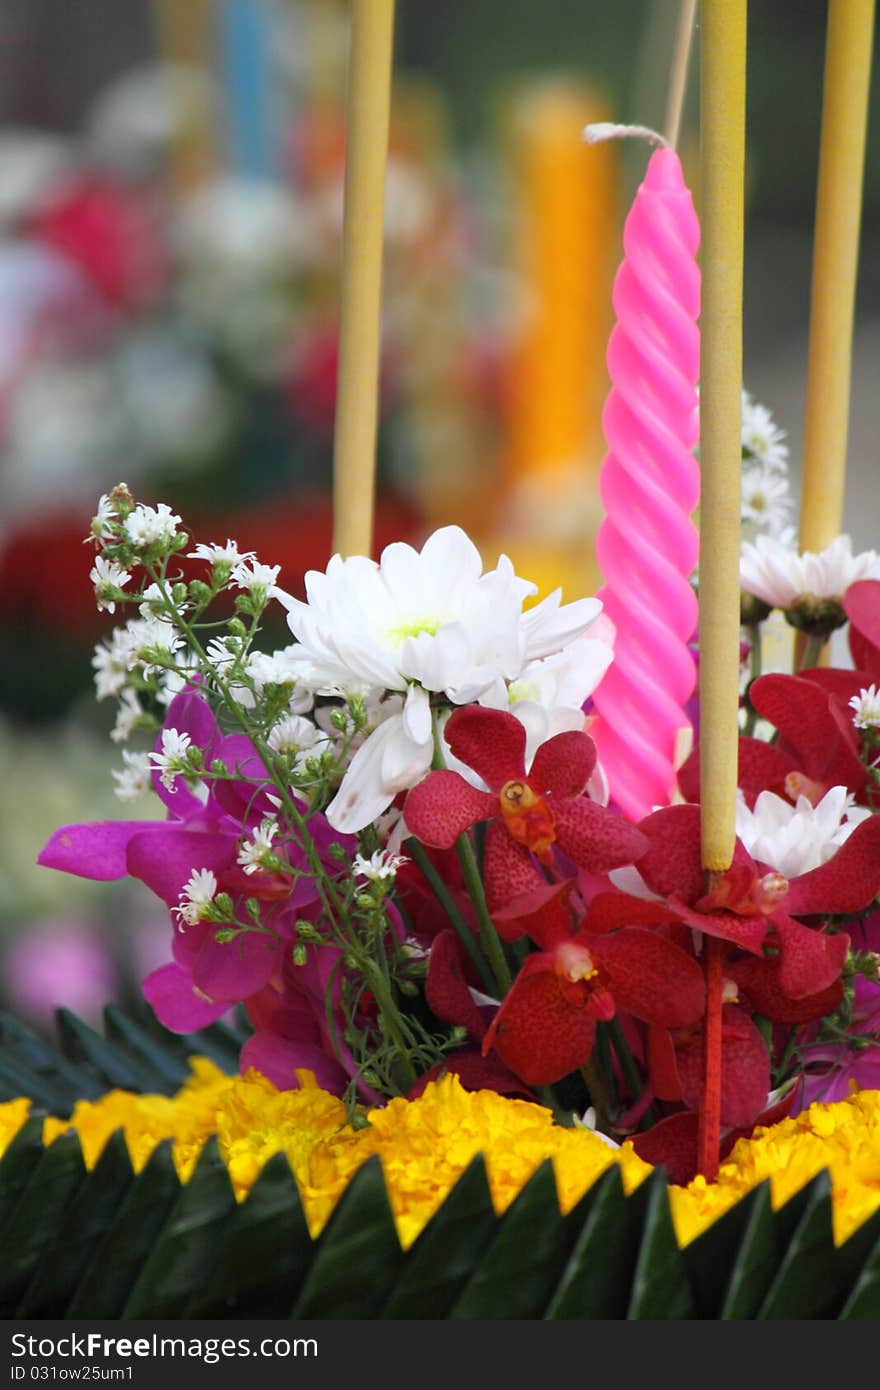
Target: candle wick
point(608, 130)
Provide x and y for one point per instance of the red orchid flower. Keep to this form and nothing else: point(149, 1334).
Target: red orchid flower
point(752, 907)
point(529, 814)
point(749, 911)
point(546, 1025)
point(817, 748)
point(861, 603)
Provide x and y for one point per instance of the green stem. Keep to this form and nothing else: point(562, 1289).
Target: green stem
point(631, 1074)
point(603, 1056)
point(755, 664)
point(474, 884)
point(813, 651)
point(592, 1074)
point(488, 935)
point(416, 852)
point(390, 1016)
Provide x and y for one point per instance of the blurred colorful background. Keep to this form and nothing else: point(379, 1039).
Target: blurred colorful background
point(170, 220)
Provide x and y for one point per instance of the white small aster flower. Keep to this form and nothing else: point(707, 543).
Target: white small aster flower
point(766, 501)
point(172, 761)
point(110, 665)
point(228, 554)
point(134, 779)
point(143, 635)
point(255, 577)
point(253, 852)
point(760, 435)
point(195, 897)
point(794, 839)
point(107, 575)
point(219, 654)
point(866, 707)
point(147, 526)
point(101, 526)
point(779, 575)
point(379, 866)
point(127, 716)
point(293, 734)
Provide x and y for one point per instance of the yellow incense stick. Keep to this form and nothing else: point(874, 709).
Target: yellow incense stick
point(722, 147)
point(835, 259)
point(183, 31)
point(369, 93)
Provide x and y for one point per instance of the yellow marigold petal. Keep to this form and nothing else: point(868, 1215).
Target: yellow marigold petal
point(13, 1115)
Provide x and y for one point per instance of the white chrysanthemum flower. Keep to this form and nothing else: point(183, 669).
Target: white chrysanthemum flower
point(127, 716)
point(794, 839)
point(195, 897)
point(172, 760)
point(760, 435)
point(255, 577)
point(228, 554)
point(254, 852)
point(866, 708)
point(134, 779)
point(146, 526)
point(778, 575)
point(379, 866)
point(418, 623)
point(107, 576)
point(766, 501)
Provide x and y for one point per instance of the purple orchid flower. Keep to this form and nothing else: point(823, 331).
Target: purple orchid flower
point(205, 978)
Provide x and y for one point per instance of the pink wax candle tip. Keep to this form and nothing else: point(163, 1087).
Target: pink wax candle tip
point(664, 172)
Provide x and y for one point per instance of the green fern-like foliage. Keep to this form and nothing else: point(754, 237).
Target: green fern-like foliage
point(110, 1244)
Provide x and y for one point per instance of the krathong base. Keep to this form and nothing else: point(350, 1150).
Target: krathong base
point(437, 1192)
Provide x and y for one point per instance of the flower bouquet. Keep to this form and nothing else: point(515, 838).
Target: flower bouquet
point(487, 997)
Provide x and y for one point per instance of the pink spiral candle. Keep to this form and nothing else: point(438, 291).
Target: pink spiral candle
point(647, 545)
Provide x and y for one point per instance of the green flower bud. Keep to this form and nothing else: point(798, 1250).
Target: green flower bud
point(299, 954)
point(818, 617)
point(224, 936)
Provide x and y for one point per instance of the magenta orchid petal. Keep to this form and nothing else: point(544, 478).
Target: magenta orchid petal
point(595, 838)
point(238, 797)
point(279, 1059)
point(563, 765)
point(189, 714)
point(443, 806)
point(848, 882)
point(490, 741)
point(177, 1003)
point(234, 970)
point(95, 850)
point(166, 857)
